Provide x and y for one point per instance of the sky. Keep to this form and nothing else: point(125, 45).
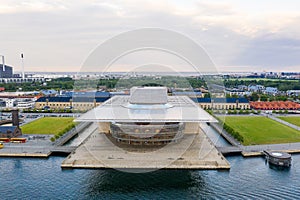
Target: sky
point(238, 35)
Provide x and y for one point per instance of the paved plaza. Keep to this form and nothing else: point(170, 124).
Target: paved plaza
point(193, 151)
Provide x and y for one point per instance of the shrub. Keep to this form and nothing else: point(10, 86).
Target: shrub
point(231, 131)
point(259, 111)
point(286, 112)
point(61, 133)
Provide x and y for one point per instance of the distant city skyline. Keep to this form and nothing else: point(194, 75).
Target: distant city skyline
point(238, 35)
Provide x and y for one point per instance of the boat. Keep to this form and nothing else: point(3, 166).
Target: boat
point(278, 158)
point(1, 145)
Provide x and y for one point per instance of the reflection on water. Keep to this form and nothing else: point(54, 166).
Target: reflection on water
point(17, 164)
point(122, 181)
point(279, 168)
point(121, 184)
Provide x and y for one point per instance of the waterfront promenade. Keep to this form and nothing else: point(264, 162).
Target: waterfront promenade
point(41, 146)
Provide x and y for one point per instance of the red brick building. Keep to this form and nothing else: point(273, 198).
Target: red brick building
point(275, 105)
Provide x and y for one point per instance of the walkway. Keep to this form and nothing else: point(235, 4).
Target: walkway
point(255, 150)
point(284, 122)
point(229, 150)
point(64, 149)
point(288, 147)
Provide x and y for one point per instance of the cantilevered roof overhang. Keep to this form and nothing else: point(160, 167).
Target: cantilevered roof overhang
point(119, 109)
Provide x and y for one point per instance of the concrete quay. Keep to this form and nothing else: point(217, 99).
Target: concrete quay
point(32, 155)
point(257, 150)
point(193, 151)
point(20, 150)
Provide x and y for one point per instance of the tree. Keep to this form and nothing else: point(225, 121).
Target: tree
point(254, 96)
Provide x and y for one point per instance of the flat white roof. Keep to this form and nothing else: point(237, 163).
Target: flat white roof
point(118, 109)
point(148, 95)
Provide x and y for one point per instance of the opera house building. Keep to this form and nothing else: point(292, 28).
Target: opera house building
point(148, 117)
point(147, 130)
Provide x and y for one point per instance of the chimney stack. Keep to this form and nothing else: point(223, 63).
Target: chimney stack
point(22, 63)
point(15, 118)
point(3, 63)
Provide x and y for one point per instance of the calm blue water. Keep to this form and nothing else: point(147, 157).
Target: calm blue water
point(23, 178)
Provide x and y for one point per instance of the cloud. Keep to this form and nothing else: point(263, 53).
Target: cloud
point(63, 33)
point(15, 6)
point(266, 52)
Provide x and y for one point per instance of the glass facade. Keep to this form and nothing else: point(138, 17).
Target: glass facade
point(147, 133)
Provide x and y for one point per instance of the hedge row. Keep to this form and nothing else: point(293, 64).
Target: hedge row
point(234, 133)
point(62, 132)
point(280, 111)
point(230, 130)
point(49, 111)
point(234, 112)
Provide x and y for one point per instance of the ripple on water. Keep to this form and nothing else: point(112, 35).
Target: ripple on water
point(248, 178)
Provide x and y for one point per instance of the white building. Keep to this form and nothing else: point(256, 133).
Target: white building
point(25, 104)
point(237, 92)
point(10, 103)
point(18, 99)
point(256, 88)
point(271, 90)
point(293, 93)
point(242, 87)
point(148, 130)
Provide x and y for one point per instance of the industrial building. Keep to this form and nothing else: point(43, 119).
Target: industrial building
point(7, 76)
point(6, 72)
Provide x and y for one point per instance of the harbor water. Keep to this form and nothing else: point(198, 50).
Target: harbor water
point(248, 178)
point(24, 178)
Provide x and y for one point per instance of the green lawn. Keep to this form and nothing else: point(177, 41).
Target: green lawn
point(292, 120)
point(47, 125)
point(262, 130)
